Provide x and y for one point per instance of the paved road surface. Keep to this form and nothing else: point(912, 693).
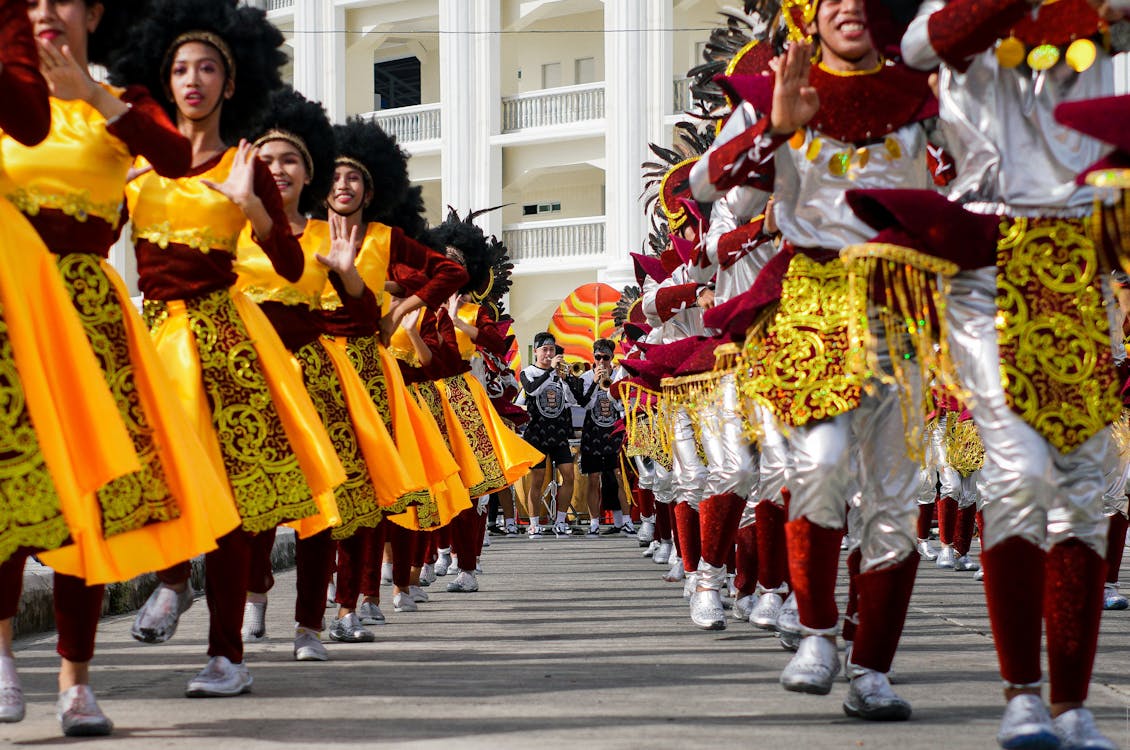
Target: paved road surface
point(571, 643)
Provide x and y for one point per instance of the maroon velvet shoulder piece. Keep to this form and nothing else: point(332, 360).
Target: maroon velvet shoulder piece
point(924, 220)
point(701, 359)
point(1058, 24)
point(861, 108)
point(670, 356)
point(24, 111)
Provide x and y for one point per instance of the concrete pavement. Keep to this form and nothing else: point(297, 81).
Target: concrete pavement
point(570, 643)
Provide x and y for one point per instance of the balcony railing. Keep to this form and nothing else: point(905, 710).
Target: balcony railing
point(554, 240)
point(279, 4)
point(682, 98)
point(408, 124)
point(557, 106)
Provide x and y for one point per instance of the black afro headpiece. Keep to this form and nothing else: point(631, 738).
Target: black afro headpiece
point(293, 115)
point(466, 237)
point(250, 39)
point(395, 201)
point(116, 29)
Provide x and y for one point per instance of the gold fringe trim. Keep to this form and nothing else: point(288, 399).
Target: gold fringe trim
point(1109, 223)
point(1120, 431)
point(964, 449)
point(648, 428)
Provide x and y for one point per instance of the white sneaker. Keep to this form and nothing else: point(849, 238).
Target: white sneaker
point(1076, 729)
point(427, 574)
point(486, 539)
point(308, 645)
point(767, 610)
point(157, 620)
point(628, 529)
point(676, 572)
point(646, 534)
point(594, 529)
point(219, 679)
point(402, 602)
point(444, 562)
point(662, 556)
point(979, 575)
point(1112, 599)
point(254, 622)
point(1026, 723)
point(924, 550)
point(813, 668)
point(11, 693)
point(370, 614)
point(386, 572)
point(652, 547)
point(946, 557)
point(706, 610)
point(870, 697)
point(743, 606)
point(788, 624)
point(80, 715)
point(965, 563)
point(418, 594)
point(561, 528)
point(511, 528)
point(464, 583)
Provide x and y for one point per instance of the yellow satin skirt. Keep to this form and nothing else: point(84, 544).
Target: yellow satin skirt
point(62, 437)
point(247, 402)
point(515, 455)
point(177, 505)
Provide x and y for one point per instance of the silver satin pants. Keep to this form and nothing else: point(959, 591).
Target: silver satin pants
point(773, 464)
point(821, 481)
point(663, 484)
point(1031, 490)
point(936, 468)
point(645, 470)
point(730, 465)
point(1114, 497)
point(688, 468)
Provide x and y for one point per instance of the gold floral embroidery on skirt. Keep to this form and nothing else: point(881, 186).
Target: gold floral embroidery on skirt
point(468, 414)
point(356, 498)
point(798, 369)
point(134, 500)
point(266, 478)
point(1057, 366)
point(429, 394)
point(30, 512)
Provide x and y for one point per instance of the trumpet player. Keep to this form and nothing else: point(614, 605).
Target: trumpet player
point(600, 444)
point(548, 386)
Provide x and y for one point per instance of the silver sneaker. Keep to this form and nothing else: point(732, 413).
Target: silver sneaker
point(308, 645)
point(946, 558)
point(965, 563)
point(979, 575)
point(814, 667)
point(370, 614)
point(254, 622)
point(427, 574)
point(768, 608)
point(219, 679)
point(690, 583)
point(924, 550)
point(80, 715)
point(676, 572)
point(1077, 731)
point(1112, 599)
point(646, 534)
point(788, 624)
point(418, 594)
point(443, 562)
point(652, 548)
point(662, 556)
point(464, 583)
point(402, 602)
point(743, 606)
point(1026, 724)
point(11, 693)
point(706, 610)
point(156, 621)
point(348, 629)
point(870, 697)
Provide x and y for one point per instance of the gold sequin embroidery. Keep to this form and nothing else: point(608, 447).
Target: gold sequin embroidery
point(78, 204)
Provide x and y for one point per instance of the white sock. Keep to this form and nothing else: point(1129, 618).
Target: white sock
point(445, 551)
point(618, 517)
point(594, 524)
point(560, 516)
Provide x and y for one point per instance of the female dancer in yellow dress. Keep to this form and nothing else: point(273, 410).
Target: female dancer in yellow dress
point(216, 64)
point(298, 147)
point(70, 188)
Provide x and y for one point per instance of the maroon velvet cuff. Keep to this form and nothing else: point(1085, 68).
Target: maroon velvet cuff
point(672, 299)
point(745, 159)
point(965, 28)
point(146, 131)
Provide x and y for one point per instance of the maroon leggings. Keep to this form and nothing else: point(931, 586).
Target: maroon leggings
point(372, 559)
point(77, 607)
point(467, 530)
point(407, 545)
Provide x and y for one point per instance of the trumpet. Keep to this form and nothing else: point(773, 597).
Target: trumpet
point(605, 383)
point(577, 369)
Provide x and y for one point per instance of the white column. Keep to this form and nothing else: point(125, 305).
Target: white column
point(332, 32)
point(626, 107)
point(309, 64)
point(471, 169)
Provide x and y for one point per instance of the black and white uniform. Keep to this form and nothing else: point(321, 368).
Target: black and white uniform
point(549, 399)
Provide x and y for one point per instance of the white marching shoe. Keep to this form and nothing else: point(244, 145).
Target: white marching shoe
point(11, 693)
point(813, 668)
point(924, 550)
point(676, 572)
point(1027, 724)
point(788, 624)
point(663, 554)
point(743, 606)
point(870, 697)
point(219, 679)
point(646, 533)
point(444, 562)
point(706, 597)
point(946, 558)
point(767, 610)
point(1077, 731)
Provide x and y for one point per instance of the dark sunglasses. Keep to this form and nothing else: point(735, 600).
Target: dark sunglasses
point(602, 357)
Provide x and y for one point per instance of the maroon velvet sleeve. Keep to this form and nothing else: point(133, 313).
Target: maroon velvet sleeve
point(442, 277)
point(363, 309)
point(671, 299)
point(965, 28)
point(446, 359)
point(746, 159)
point(25, 113)
point(280, 245)
point(490, 337)
point(146, 130)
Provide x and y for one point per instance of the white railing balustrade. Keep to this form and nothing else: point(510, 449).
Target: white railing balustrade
point(557, 106)
point(409, 124)
point(279, 4)
point(682, 99)
point(555, 240)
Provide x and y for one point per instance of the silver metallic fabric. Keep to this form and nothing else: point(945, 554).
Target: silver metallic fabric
point(729, 456)
point(1031, 489)
point(1114, 497)
point(999, 125)
point(733, 210)
point(774, 462)
point(687, 467)
point(663, 485)
point(936, 469)
point(821, 480)
point(645, 469)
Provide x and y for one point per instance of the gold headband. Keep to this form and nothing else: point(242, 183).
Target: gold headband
point(281, 135)
point(349, 161)
point(206, 37)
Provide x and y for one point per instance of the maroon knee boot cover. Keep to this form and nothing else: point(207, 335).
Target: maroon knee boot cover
point(772, 557)
point(373, 553)
point(745, 561)
point(814, 558)
point(12, 583)
point(854, 558)
point(1014, 585)
point(963, 532)
point(226, 571)
point(947, 519)
point(463, 529)
point(883, 598)
point(1073, 606)
point(663, 522)
point(925, 519)
point(689, 535)
point(718, 518)
point(1115, 545)
point(646, 501)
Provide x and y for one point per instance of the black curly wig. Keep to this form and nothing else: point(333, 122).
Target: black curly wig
point(466, 237)
point(396, 202)
point(294, 114)
point(252, 41)
point(116, 29)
